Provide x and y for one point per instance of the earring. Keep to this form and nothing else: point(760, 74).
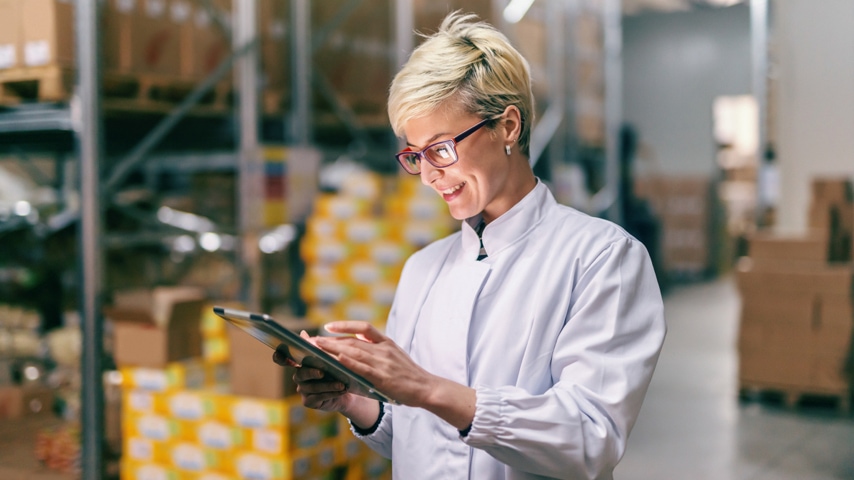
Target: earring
point(507, 149)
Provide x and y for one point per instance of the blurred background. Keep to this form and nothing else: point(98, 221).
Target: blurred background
point(159, 157)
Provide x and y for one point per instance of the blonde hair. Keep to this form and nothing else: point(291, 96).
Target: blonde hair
point(472, 61)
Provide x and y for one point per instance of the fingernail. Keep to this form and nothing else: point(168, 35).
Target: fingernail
point(330, 326)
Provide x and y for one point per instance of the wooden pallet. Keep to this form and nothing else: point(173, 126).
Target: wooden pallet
point(147, 92)
point(792, 397)
point(43, 84)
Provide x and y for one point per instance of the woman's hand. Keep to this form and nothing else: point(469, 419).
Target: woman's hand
point(321, 391)
point(377, 358)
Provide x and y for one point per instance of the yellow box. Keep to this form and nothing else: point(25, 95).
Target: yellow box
point(260, 413)
point(264, 467)
point(176, 376)
point(314, 430)
point(386, 252)
point(325, 291)
point(138, 449)
point(192, 405)
point(326, 250)
point(330, 205)
point(351, 449)
point(218, 435)
point(361, 310)
point(132, 470)
point(142, 401)
point(154, 427)
point(191, 457)
point(320, 227)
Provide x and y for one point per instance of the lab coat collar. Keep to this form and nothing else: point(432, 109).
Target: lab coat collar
point(509, 227)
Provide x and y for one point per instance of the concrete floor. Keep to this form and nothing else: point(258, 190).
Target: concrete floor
point(693, 425)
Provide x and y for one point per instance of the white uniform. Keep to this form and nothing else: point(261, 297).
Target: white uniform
point(558, 329)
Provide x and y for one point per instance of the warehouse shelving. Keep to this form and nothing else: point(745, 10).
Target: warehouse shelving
point(80, 125)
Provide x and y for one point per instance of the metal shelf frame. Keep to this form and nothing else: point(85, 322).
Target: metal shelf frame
point(84, 119)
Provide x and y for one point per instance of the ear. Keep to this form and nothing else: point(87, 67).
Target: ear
point(511, 125)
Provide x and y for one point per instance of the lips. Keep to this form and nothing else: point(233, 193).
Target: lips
point(452, 192)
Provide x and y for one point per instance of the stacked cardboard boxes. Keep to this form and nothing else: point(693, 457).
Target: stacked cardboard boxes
point(357, 241)
point(148, 46)
point(685, 208)
point(797, 292)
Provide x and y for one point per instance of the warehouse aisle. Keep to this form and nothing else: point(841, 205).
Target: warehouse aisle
point(692, 424)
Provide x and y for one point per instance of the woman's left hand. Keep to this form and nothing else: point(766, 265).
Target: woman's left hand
point(377, 358)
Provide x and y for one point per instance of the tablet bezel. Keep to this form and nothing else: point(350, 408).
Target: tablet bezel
point(265, 329)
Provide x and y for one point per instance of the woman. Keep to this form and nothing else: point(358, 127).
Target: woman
point(521, 346)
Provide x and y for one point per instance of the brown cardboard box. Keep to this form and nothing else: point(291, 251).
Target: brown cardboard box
point(805, 248)
point(10, 34)
point(781, 369)
point(252, 370)
point(210, 45)
point(832, 190)
point(18, 401)
point(153, 327)
point(827, 372)
point(47, 28)
point(781, 281)
point(117, 41)
point(156, 39)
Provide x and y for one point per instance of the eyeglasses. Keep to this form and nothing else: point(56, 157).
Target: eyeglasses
point(440, 154)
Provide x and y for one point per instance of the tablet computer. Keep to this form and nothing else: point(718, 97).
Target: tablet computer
point(302, 352)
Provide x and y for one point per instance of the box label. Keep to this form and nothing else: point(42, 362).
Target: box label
point(37, 53)
point(7, 56)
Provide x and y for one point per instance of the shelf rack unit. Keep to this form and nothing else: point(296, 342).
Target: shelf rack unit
point(79, 127)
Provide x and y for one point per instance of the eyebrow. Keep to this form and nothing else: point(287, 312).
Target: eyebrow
point(429, 140)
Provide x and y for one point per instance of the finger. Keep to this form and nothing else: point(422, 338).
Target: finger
point(307, 374)
point(317, 401)
point(320, 387)
point(363, 330)
point(304, 335)
point(282, 357)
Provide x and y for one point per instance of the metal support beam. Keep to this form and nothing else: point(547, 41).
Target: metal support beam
point(138, 154)
point(300, 123)
point(404, 24)
point(606, 201)
point(86, 113)
point(250, 178)
point(759, 53)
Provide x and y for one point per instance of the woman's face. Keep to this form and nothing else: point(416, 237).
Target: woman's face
point(485, 179)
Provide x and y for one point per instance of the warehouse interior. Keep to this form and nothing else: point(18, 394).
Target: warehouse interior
point(161, 157)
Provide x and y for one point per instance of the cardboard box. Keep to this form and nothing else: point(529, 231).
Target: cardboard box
point(774, 368)
point(47, 28)
point(156, 39)
point(780, 281)
point(153, 327)
point(832, 190)
point(252, 370)
point(118, 35)
point(805, 248)
point(210, 44)
point(16, 402)
point(10, 34)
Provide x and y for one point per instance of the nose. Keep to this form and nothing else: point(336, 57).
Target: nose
point(429, 173)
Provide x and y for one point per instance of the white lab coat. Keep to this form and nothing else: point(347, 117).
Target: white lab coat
point(558, 330)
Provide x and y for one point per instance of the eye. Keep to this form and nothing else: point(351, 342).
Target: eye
point(442, 151)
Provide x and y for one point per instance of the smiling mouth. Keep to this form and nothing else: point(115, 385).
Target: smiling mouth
point(450, 191)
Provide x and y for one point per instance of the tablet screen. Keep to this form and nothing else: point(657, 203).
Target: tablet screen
point(266, 330)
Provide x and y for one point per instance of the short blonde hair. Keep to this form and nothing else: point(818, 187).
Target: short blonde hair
point(472, 61)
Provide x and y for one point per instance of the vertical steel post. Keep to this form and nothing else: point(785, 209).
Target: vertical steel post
point(612, 22)
point(300, 124)
point(245, 31)
point(556, 50)
point(86, 114)
point(404, 24)
point(759, 55)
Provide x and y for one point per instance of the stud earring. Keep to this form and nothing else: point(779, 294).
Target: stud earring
point(507, 149)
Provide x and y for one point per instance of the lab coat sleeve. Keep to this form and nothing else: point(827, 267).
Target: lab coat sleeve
point(602, 363)
point(381, 439)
